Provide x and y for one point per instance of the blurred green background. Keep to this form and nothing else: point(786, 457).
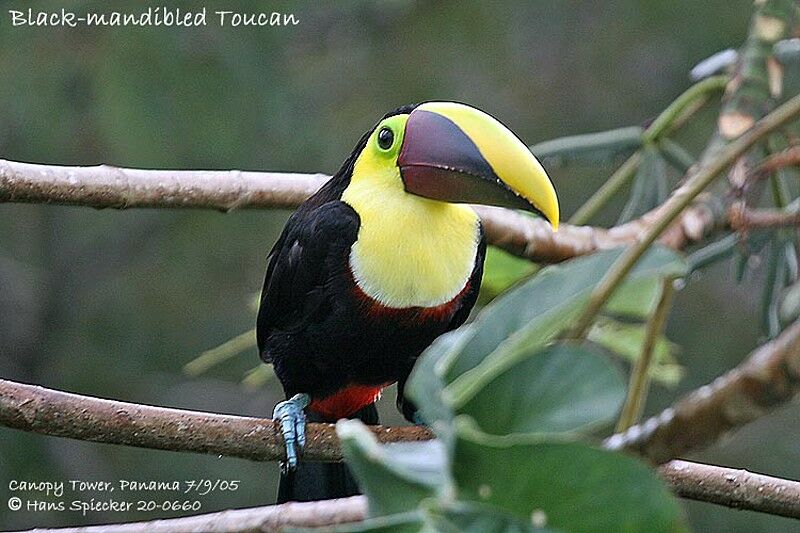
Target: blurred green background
point(113, 304)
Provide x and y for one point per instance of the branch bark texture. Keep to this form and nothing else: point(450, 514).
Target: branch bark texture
point(61, 414)
point(121, 188)
point(769, 378)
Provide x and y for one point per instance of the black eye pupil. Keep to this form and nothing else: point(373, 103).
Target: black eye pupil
point(385, 138)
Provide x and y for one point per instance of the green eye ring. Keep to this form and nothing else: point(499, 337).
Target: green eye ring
point(385, 138)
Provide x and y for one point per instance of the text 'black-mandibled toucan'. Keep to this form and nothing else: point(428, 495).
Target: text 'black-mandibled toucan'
point(386, 257)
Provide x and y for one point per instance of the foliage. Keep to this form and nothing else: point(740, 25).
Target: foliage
point(513, 408)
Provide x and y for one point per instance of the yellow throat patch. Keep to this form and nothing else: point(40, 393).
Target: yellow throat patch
point(410, 251)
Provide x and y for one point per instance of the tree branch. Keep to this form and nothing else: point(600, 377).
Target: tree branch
point(739, 489)
point(62, 414)
point(768, 378)
point(121, 188)
point(743, 219)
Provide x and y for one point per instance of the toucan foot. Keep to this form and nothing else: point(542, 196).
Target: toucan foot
point(417, 419)
point(293, 427)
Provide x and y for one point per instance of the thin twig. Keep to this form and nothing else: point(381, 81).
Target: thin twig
point(640, 375)
point(666, 119)
point(607, 191)
point(789, 157)
point(742, 218)
point(738, 489)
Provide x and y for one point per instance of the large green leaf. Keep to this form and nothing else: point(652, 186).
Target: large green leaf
point(463, 517)
point(626, 341)
point(589, 148)
point(577, 488)
point(636, 299)
point(394, 478)
point(563, 388)
point(555, 295)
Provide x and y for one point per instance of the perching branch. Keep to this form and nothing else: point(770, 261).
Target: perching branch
point(769, 378)
point(61, 414)
point(739, 489)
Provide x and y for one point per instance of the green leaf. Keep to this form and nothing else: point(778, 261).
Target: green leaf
point(602, 147)
point(463, 517)
point(710, 254)
point(529, 314)
point(502, 270)
point(576, 487)
point(626, 341)
point(676, 155)
point(562, 388)
point(523, 344)
point(635, 299)
point(395, 479)
point(649, 186)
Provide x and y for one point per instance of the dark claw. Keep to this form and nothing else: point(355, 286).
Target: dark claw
point(293, 427)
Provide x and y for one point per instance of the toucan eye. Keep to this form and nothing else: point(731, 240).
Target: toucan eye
point(385, 138)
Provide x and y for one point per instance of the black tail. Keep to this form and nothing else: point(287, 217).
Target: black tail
point(322, 481)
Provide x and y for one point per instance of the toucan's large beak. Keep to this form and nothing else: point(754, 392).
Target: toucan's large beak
point(456, 153)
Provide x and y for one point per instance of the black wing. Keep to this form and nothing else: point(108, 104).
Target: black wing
point(313, 247)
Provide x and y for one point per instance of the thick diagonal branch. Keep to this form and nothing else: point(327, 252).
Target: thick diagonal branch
point(768, 379)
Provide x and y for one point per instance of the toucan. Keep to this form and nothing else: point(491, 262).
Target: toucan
point(384, 258)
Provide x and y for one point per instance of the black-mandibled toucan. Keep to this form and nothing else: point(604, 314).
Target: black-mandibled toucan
point(381, 261)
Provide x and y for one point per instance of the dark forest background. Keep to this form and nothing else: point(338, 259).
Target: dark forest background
point(113, 304)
